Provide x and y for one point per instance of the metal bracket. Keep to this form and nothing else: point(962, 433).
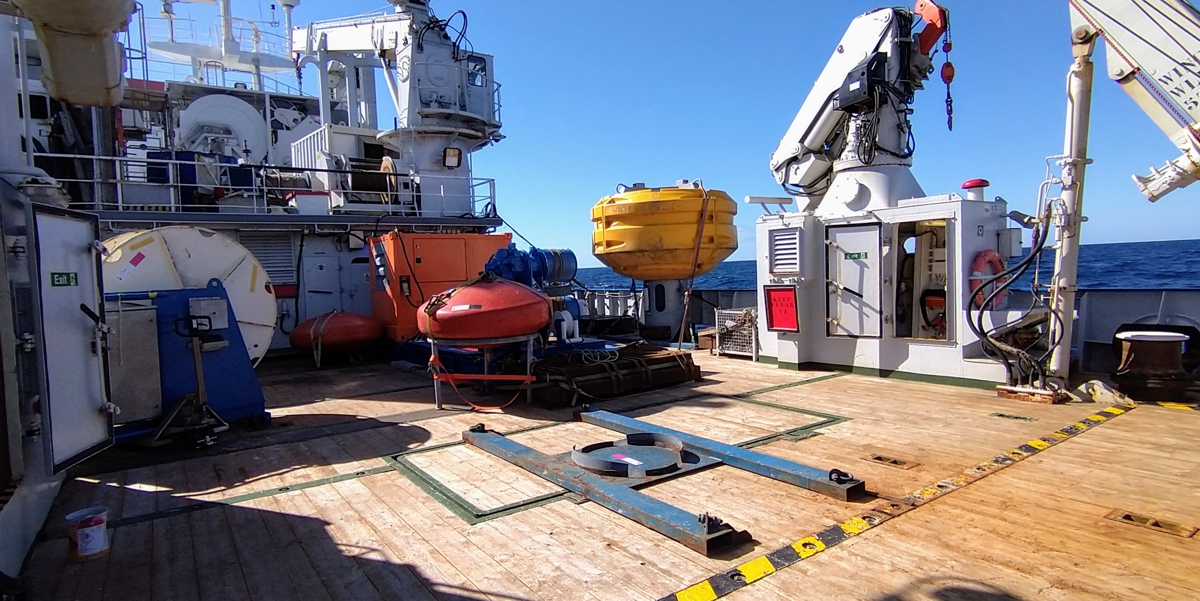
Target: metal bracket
point(804, 476)
point(704, 533)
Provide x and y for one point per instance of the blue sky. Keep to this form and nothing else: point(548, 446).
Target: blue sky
point(601, 93)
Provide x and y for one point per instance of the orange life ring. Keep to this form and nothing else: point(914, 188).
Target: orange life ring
point(983, 259)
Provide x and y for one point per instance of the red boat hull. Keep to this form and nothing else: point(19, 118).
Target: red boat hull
point(486, 311)
point(336, 332)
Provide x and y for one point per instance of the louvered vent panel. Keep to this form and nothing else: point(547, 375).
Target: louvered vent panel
point(785, 251)
point(274, 251)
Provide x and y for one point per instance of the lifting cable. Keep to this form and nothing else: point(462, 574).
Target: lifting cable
point(687, 300)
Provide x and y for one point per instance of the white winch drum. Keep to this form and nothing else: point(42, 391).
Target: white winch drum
point(245, 122)
point(181, 257)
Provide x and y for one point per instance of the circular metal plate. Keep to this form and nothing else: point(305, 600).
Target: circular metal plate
point(640, 454)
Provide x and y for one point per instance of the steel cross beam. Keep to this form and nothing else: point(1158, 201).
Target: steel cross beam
point(804, 476)
point(704, 533)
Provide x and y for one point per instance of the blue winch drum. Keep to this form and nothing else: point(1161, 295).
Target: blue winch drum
point(560, 264)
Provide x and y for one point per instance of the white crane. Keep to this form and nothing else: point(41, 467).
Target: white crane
point(847, 152)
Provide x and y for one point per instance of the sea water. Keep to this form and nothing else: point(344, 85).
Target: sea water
point(1133, 265)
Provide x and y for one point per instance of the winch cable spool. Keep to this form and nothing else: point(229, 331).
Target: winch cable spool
point(186, 257)
point(995, 348)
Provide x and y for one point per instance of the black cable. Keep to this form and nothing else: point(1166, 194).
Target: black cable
point(462, 34)
point(516, 232)
point(411, 272)
point(375, 230)
point(299, 288)
point(992, 347)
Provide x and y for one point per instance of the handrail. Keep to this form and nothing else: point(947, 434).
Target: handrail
point(135, 183)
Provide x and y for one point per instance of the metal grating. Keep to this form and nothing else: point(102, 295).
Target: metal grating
point(737, 332)
point(274, 251)
point(785, 251)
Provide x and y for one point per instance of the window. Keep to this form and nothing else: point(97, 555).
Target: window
point(476, 71)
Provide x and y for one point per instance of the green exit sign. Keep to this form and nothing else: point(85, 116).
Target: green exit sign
point(64, 278)
point(856, 256)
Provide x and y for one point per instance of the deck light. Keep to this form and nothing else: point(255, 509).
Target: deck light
point(451, 158)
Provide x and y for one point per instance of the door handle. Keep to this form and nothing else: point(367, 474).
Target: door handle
point(92, 315)
point(101, 327)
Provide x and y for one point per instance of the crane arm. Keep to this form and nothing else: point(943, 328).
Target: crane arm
point(878, 49)
point(82, 61)
point(1153, 52)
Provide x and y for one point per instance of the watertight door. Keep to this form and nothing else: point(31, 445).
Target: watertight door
point(75, 412)
point(852, 272)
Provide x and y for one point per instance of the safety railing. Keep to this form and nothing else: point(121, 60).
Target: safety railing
point(164, 70)
point(187, 31)
point(221, 185)
point(249, 38)
point(611, 303)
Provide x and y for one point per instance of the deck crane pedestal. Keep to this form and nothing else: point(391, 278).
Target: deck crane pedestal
point(872, 273)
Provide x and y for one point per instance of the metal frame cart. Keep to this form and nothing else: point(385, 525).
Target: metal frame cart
point(441, 375)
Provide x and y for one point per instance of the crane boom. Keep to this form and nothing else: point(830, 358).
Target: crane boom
point(1153, 53)
point(859, 103)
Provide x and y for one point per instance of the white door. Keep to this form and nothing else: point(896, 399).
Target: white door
point(852, 269)
point(74, 412)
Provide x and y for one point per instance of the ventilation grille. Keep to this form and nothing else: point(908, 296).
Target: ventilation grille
point(274, 251)
point(785, 251)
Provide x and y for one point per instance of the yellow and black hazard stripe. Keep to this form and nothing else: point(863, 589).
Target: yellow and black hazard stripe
point(756, 569)
point(1179, 406)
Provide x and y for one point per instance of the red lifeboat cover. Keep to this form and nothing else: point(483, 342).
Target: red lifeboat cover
point(485, 310)
point(337, 331)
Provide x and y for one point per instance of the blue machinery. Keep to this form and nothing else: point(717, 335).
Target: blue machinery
point(606, 473)
point(188, 321)
point(550, 270)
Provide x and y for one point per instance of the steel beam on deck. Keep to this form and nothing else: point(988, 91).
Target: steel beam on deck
point(704, 533)
point(804, 476)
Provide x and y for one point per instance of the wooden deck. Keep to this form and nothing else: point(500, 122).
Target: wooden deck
point(351, 525)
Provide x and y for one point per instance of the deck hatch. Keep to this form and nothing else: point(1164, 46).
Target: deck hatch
point(903, 464)
point(1142, 521)
point(1013, 416)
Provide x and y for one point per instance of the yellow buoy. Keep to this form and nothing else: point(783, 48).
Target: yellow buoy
point(650, 233)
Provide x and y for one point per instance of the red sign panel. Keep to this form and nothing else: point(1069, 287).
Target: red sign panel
point(782, 308)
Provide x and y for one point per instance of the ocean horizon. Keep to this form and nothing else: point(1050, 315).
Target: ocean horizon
point(1172, 264)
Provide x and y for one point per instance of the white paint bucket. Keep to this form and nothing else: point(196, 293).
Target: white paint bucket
point(87, 530)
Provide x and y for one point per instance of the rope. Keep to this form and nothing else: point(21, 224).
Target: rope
point(440, 373)
point(598, 356)
point(440, 300)
point(316, 333)
point(687, 300)
point(743, 321)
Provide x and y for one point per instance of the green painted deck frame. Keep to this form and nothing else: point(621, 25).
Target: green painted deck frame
point(473, 514)
point(881, 373)
point(463, 508)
